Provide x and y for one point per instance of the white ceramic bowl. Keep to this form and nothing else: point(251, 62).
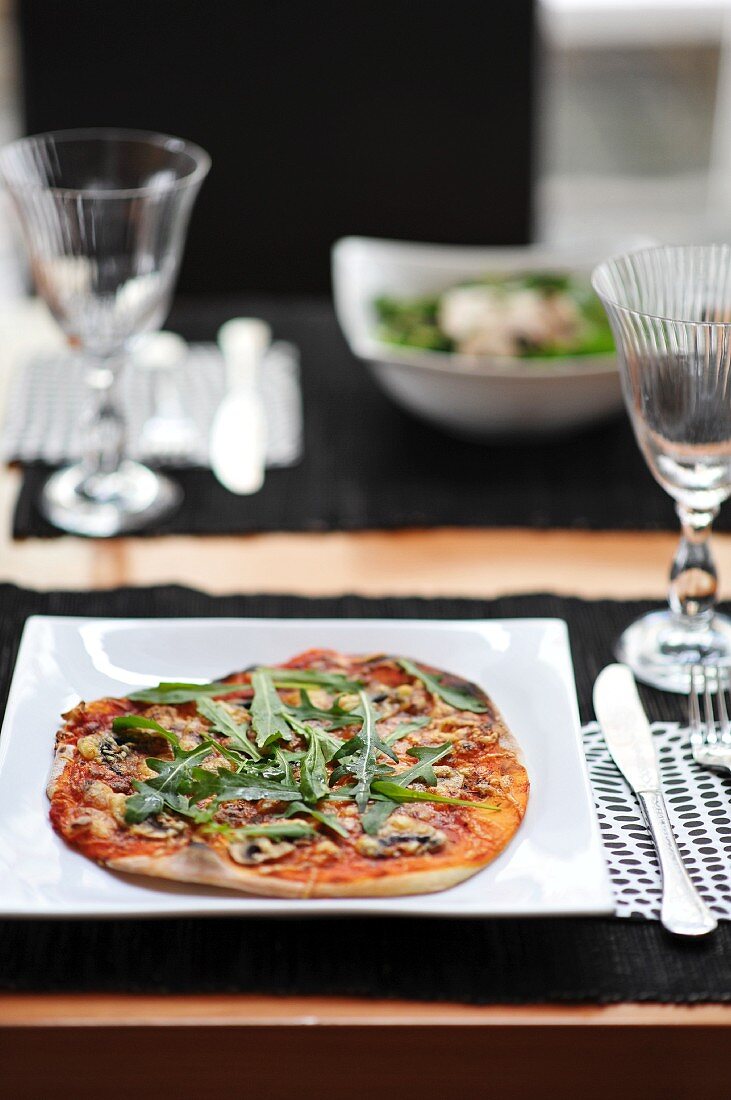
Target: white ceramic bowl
point(481, 397)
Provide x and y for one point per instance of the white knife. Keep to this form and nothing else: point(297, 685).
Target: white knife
point(238, 433)
point(629, 739)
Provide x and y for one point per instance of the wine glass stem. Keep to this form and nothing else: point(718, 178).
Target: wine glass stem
point(693, 577)
point(106, 429)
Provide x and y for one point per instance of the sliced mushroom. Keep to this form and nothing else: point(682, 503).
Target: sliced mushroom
point(402, 835)
point(259, 849)
point(158, 827)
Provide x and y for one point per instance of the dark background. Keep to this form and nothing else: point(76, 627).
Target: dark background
point(390, 118)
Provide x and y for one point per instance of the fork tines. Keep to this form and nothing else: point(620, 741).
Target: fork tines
point(710, 731)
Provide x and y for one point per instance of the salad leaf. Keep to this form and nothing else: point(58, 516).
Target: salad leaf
point(329, 743)
point(313, 772)
point(137, 722)
point(362, 753)
point(398, 793)
point(376, 815)
point(310, 677)
point(426, 756)
point(223, 722)
point(173, 693)
point(329, 820)
point(461, 700)
point(405, 728)
point(546, 281)
point(286, 829)
point(233, 758)
point(226, 786)
point(280, 767)
point(412, 322)
point(172, 786)
point(337, 717)
point(268, 713)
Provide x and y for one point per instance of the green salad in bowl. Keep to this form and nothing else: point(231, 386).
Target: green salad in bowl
point(540, 315)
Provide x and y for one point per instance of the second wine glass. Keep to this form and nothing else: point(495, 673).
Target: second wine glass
point(670, 312)
point(104, 214)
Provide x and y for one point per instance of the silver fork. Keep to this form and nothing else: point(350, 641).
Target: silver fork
point(710, 736)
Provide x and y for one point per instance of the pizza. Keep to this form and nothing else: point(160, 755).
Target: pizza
point(328, 776)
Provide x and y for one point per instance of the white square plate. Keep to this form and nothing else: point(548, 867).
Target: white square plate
point(554, 864)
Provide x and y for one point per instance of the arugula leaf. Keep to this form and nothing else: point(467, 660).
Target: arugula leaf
point(268, 713)
point(405, 728)
point(280, 768)
point(309, 677)
point(228, 754)
point(223, 722)
point(288, 829)
point(337, 716)
point(226, 786)
point(137, 722)
point(313, 772)
point(173, 693)
point(397, 793)
point(427, 755)
point(329, 743)
point(381, 771)
point(461, 700)
point(362, 751)
point(355, 744)
point(172, 786)
point(329, 820)
point(377, 815)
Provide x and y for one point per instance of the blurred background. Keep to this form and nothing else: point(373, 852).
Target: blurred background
point(632, 128)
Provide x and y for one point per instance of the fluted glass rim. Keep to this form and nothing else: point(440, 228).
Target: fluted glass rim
point(647, 250)
point(201, 159)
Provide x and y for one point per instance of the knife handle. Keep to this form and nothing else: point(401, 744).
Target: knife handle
point(683, 911)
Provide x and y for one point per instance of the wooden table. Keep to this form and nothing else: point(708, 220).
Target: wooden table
point(277, 1047)
point(261, 1040)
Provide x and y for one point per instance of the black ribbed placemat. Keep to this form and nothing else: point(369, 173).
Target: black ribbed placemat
point(369, 465)
point(479, 961)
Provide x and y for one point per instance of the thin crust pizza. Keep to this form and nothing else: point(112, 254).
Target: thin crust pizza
point(329, 776)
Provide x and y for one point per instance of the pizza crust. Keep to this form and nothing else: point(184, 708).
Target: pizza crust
point(202, 865)
point(61, 758)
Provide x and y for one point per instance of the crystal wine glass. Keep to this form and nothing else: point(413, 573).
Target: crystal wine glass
point(670, 312)
point(104, 214)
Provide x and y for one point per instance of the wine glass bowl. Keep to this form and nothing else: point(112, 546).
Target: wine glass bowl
point(104, 214)
point(670, 312)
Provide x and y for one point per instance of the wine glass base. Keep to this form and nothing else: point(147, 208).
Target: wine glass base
point(660, 648)
point(105, 505)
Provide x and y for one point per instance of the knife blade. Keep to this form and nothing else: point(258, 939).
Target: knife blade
point(237, 447)
point(628, 736)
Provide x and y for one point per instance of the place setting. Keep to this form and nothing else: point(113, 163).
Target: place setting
point(336, 685)
point(216, 783)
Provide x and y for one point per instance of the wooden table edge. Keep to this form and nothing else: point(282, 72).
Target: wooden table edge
point(34, 1010)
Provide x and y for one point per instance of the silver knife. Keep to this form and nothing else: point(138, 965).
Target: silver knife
point(237, 447)
point(629, 740)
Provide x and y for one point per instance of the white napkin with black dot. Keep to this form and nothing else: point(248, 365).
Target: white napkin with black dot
point(699, 804)
point(48, 392)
